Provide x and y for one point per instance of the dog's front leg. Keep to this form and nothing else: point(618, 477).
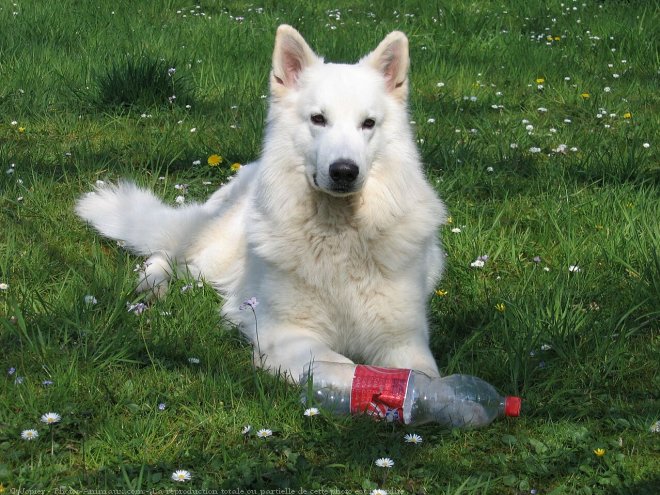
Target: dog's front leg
point(292, 351)
point(413, 354)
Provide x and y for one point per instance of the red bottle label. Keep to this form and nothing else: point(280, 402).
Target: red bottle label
point(379, 392)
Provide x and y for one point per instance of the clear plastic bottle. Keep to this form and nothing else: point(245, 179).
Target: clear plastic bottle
point(407, 396)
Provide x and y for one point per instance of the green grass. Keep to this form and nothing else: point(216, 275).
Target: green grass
point(581, 348)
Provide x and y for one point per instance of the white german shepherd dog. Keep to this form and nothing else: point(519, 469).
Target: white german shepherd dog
point(334, 229)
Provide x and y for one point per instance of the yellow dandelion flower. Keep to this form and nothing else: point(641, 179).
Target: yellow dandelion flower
point(441, 293)
point(627, 115)
point(540, 80)
point(214, 160)
point(599, 452)
point(235, 166)
point(450, 220)
point(21, 130)
point(585, 95)
point(557, 38)
point(501, 307)
point(549, 38)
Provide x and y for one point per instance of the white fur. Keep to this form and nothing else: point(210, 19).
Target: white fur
point(340, 273)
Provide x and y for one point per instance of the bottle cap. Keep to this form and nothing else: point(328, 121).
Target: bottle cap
point(512, 405)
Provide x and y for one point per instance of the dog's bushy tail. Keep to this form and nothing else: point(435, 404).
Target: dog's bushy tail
point(139, 219)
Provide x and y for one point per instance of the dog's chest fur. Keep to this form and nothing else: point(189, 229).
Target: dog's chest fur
point(330, 247)
point(331, 256)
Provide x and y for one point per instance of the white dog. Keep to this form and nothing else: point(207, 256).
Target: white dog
point(333, 230)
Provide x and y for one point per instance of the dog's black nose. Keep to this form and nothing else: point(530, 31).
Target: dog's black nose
point(344, 171)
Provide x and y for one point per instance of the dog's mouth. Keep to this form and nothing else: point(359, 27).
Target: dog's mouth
point(337, 189)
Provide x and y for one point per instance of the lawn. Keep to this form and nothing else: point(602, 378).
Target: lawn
point(538, 123)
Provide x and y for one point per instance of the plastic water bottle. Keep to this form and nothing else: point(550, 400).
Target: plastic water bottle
point(406, 396)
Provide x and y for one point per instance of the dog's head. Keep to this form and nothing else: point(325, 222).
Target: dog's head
point(338, 113)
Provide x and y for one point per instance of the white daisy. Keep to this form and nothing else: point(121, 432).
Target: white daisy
point(412, 438)
point(29, 434)
point(384, 462)
point(312, 411)
point(246, 429)
point(574, 269)
point(4, 286)
point(181, 475)
point(51, 418)
point(90, 300)
point(265, 433)
point(477, 264)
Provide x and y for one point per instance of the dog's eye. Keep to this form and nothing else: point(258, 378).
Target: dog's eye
point(318, 119)
point(368, 124)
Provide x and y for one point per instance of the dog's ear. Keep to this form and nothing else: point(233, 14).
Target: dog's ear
point(290, 57)
point(391, 59)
